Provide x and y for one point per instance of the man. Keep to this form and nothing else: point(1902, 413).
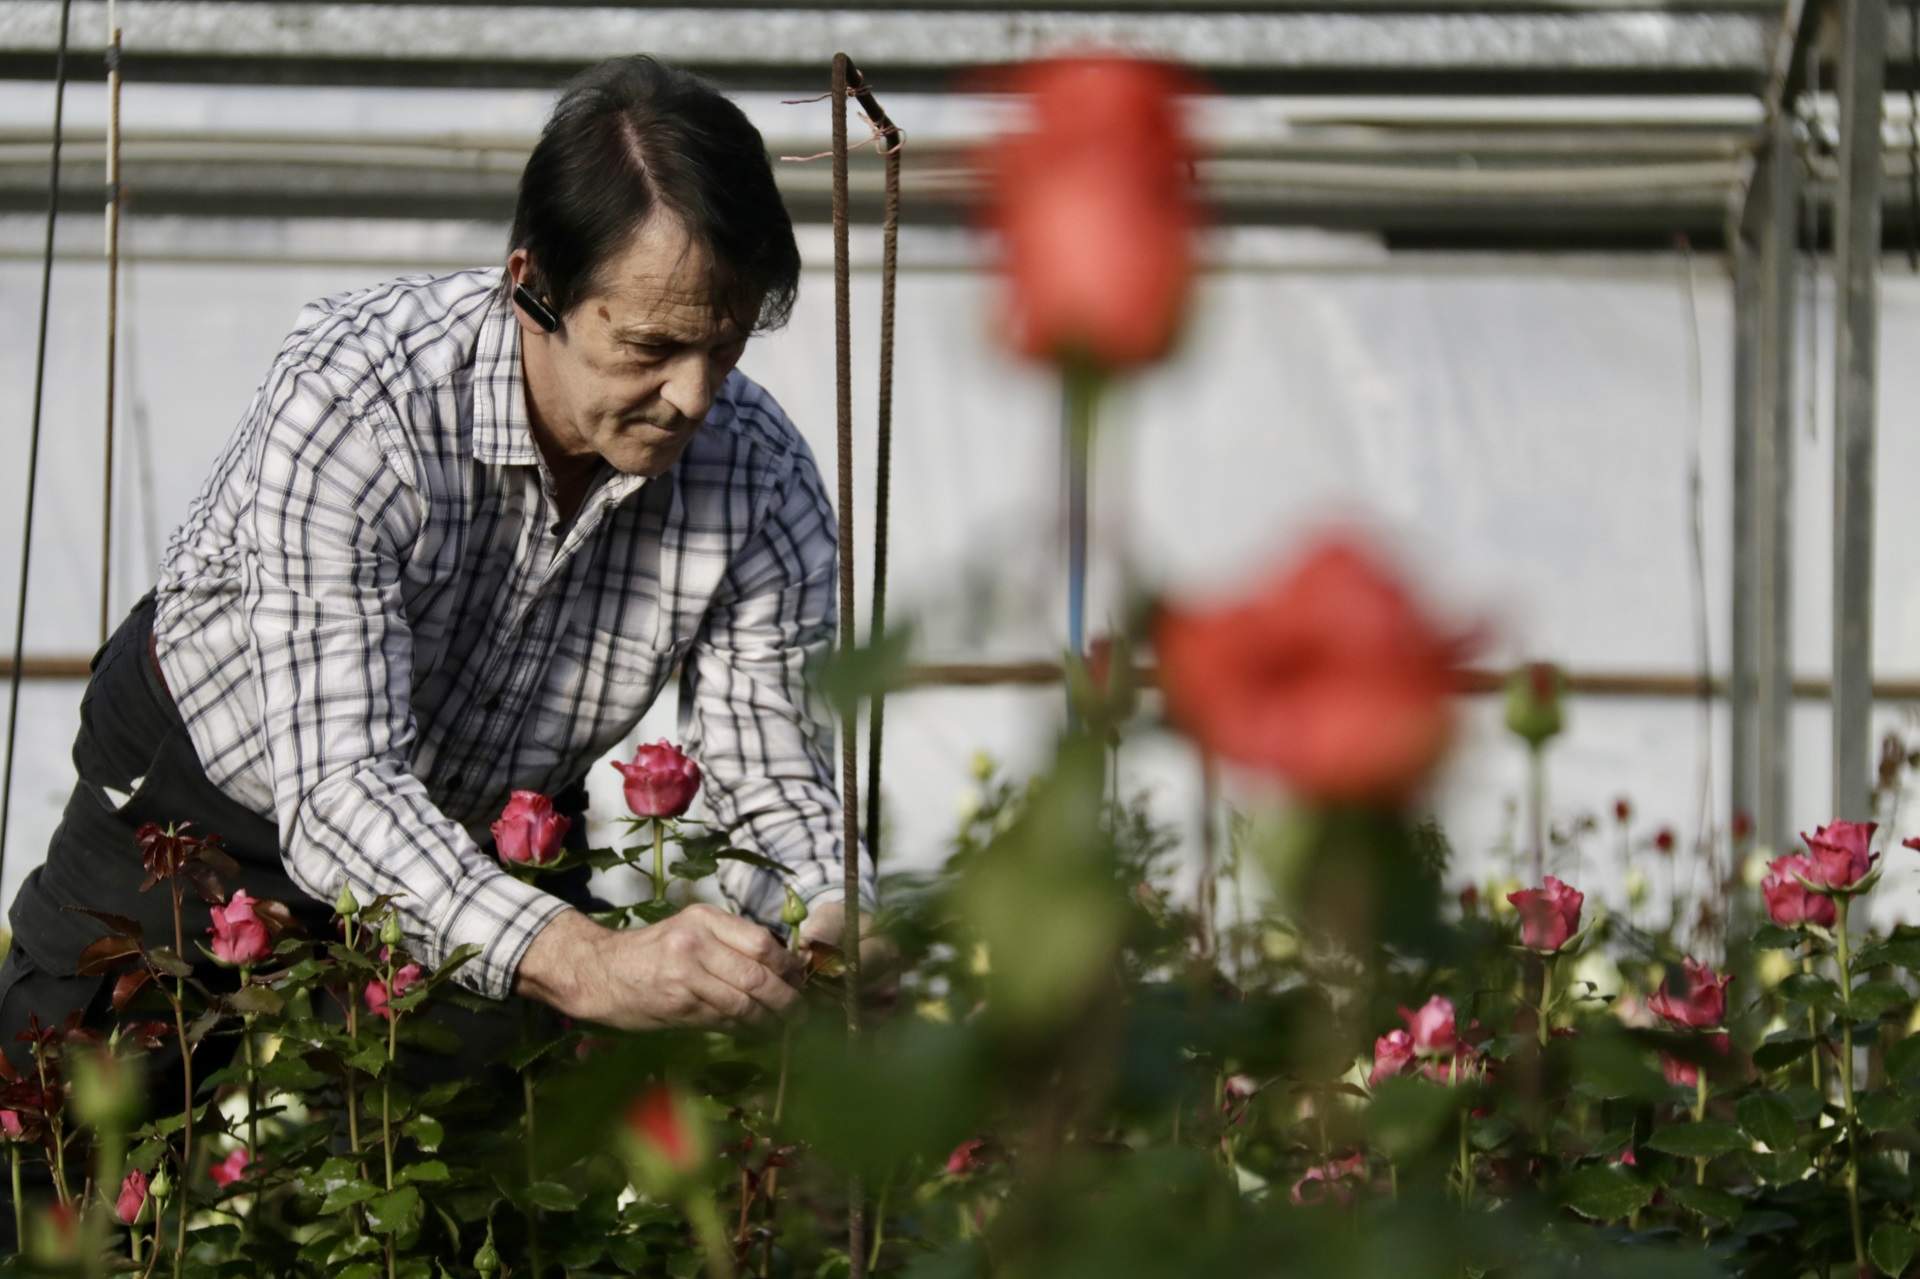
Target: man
point(464, 535)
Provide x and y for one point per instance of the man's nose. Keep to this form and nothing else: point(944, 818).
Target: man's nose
point(689, 386)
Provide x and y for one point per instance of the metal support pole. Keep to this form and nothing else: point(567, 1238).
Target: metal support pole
point(1776, 189)
point(1863, 72)
point(1743, 760)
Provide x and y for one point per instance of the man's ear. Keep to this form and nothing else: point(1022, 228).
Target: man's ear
point(535, 313)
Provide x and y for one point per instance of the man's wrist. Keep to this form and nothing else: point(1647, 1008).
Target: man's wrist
point(553, 967)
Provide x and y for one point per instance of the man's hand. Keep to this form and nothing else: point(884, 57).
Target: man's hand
point(701, 968)
point(826, 921)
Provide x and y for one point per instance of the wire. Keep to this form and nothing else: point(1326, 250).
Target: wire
point(33, 433)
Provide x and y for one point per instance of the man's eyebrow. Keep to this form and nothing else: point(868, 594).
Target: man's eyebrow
point(661, 333)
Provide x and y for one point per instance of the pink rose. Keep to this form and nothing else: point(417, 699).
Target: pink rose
point(10, 1126)
point(238, 935)
point(1913, 843)
point(1391, 1053)
point(1839, 853)
point(969, 1156)
point(1549, 915)
point(376, 993)
point(232, 1168)
point(1703, 1006)
point(1431, 1027)
point(133, 1198)
point(1330, 1181)
point(1790, 902)
point(528, 830)
point(1686, 1074)
point(661, 780)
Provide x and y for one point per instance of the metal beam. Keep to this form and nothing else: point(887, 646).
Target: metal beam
point(1773, 204)
point(1863, 53)
point(1394, 53)
point(1743, 758)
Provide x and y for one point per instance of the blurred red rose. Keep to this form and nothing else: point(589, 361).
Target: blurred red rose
point(133, 1198)
point(1549, 915)
point(1328, 676)
point(232, 1168)
point(1703, 1006)
point(1093, 204)
point(1391, 1054)
point(1840, 853)
point(528, 831)
point(376, 993)
point(1789, 902)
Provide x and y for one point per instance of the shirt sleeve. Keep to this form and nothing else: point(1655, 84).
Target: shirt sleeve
point(751, 717)
point(332, 513)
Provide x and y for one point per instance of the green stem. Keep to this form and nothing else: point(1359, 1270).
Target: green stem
point(1537, 809)
point(879, 1226)
point(659, 860)
point(1700, 1114)
point(1466, 1161)
point(186, 1071)
point(1813, 1030)
point(386, 1097)
point(1846, 1082)
point(19, 1207)
point(253, 1087)
point(533, 1213)
point(1546, 992)
point(707, 1228)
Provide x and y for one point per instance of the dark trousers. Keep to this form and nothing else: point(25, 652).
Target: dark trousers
point(136, 764)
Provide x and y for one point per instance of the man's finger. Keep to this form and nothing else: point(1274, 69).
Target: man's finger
point(754, 941)
point(750, 978)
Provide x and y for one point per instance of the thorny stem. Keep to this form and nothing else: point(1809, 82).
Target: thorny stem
point(1813, 1029)
point(186, 1071)
point(659, 860)
point(253, 1085)
point(1537, 809)
point(353, 1089)
point(60, 1189)
point(1546, 993)
point(19, 1208)
point(879, 1225)
point(779, 1107)
point(386, 1098)
point(1846, 1082)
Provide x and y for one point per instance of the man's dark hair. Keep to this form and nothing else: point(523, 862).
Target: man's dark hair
point(632, 135)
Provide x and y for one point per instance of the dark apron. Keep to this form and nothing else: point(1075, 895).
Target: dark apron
point(133, 740)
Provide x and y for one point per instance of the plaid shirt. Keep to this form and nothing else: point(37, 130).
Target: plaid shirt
point(375, 629)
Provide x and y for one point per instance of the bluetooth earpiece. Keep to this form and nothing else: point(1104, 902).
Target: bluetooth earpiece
point(542, 313)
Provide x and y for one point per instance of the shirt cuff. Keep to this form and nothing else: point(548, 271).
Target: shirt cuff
point(501, 915)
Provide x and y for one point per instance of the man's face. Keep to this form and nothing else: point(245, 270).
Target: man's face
point(634, 367)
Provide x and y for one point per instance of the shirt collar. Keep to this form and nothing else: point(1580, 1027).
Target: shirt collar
point(502, 431)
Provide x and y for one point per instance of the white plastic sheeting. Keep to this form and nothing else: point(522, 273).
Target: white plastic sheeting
point(1520, 430)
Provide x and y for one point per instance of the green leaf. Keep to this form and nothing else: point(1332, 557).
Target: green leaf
point(1885, 1111)
point(1892, 1248)
point(526, 1054)
point(1706, 1201)
point(1768, 1118)
point(426, 1170)
point(1903, 1058)
point(1702, 1140)
point(425, 1130)
point(1782, 1048)
point(344, 1197)
point(395, 1212)
point(1604, 1193)
point(652, 912)
point(1774, 937)
point(290, 1072)
point(163, 958)
point(362, 1270)
point(1805, 1103)
point(454, 962)
point(1407, 1116)
point(754, 859)
point(1901, 952)
point(1875, 999)
point(554, 1196)
point(256, 999)
point(1812, 991)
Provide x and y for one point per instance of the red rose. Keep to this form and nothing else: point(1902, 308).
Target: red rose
point(659, 1127)
point(1549, 915)
point(133, 1198)
point(661, 780)
point(232, 1168)
point(1431, 1027)
point(239, 937)
point(10, 1126)
point(376, 994)
point(1391, 1054)
point(1330, 1181)
point(969, 1156)
point(1840, 853)
point(1663, 840)
point(1705, 1003)
point(1327, 677)
point(1789, 902)
point(528, 830)
point(1093, 206)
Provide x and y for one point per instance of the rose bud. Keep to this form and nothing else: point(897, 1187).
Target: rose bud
point(528, 831)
